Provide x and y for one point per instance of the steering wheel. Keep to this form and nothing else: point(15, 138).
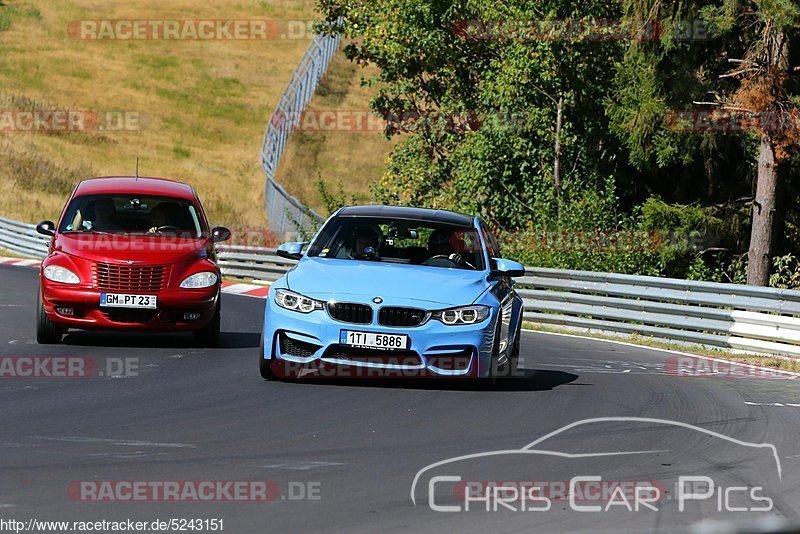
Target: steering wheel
point(433, 260)
point(168, 228)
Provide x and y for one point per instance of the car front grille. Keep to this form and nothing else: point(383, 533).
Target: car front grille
point(295, 348)
point(395, 316)
point(350, 312)
point(144, 279)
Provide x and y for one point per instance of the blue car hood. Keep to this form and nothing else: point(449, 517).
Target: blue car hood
point(325, 279)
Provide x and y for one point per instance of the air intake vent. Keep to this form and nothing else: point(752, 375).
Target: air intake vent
point(293, 347)
point(349, 312)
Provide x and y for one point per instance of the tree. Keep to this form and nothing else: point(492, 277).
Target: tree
point(519, 89)
point(742, 70)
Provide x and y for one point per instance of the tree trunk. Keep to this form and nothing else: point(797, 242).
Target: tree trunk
point(760, 253)
point(557, 150)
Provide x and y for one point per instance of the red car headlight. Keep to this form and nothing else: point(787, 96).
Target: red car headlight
point(199, 280)
point(56, 273)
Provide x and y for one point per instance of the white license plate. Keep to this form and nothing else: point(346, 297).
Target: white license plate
point(118, 300)
point(373, 340)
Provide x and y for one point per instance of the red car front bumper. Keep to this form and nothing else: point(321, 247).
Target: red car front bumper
point(172, 304)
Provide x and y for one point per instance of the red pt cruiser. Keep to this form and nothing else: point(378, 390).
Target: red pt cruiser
point(132, 254)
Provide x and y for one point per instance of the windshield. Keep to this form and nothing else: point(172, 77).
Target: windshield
point(400, 241)
point(132, 215)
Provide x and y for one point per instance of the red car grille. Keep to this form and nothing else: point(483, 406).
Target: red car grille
point(146, 279)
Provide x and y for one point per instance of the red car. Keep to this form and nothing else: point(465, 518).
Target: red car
point(133, 254)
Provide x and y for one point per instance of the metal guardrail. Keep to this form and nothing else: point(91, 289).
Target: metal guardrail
point(285, 212)
point(22, 239)
point(746, 318)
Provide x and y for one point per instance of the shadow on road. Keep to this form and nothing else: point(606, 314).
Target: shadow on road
point(228, 340)
point(532, 380)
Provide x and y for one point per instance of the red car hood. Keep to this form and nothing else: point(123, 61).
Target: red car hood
point(138, 249)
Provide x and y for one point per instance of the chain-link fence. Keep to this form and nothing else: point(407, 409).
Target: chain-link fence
point(284, 212)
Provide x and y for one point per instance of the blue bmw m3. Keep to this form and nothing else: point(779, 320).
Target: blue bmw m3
point(385, 291)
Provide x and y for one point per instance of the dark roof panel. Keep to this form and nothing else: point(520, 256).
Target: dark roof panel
point(133, 185)
point(407, 213)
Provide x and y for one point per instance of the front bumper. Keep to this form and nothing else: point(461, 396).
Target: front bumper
point(172, 304)
point(300, 344)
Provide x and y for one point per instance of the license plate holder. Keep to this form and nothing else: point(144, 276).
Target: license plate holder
point(374, 340)
point(124, 300)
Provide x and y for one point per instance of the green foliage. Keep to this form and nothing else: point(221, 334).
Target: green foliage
point(624, 166)
point(786, 272)
point(333, 200)
point(503, 161)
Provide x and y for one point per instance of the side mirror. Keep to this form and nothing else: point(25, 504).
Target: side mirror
point(220, 234)
point(292, 250)
point(46, 228)
point(504, 267)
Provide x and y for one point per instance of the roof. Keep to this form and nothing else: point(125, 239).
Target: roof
point(134, 185)
point(408, 213)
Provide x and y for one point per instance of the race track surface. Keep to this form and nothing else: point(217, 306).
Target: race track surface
point(190, 414)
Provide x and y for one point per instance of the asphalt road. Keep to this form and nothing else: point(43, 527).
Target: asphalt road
point(189, 414)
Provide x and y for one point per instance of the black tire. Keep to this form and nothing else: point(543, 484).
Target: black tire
point(513, 359)
point(47, 332)
point(208, 336)
point(489, 382)
point(264, 365)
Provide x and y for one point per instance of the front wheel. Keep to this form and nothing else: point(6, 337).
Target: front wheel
point(208, 336)
point(490, 381)
point(264, 365)
point(47, 332)
point(513, 359)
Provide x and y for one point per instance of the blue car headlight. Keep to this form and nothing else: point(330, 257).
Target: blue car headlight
point(290, 300)
point(462, 315)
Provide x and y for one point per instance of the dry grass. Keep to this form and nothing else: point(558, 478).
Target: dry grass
point(204, 104)
point(356, 159)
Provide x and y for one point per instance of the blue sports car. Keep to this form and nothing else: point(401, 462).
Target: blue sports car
point(394, 291)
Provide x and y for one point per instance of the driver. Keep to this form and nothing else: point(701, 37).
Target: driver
point(367, 240)
point(159, 216)
point(439, 244)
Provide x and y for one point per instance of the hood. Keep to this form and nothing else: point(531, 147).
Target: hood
point(138, 249)
point(326, 278)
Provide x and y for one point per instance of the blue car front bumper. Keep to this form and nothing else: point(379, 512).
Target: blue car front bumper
point(310, 344)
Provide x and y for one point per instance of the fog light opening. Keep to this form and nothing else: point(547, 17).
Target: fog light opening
point(69, 312)
point(191, 316)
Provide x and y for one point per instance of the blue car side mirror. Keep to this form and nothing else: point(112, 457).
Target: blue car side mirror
point(504, 267)
point(292, 250)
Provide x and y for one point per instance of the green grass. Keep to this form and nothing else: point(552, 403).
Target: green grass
point(182, 152)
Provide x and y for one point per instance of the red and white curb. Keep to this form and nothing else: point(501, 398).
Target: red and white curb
point(234, 288)
point(19, 261)
point(250, 290)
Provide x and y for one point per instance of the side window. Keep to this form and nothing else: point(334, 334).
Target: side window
point(491, 242)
